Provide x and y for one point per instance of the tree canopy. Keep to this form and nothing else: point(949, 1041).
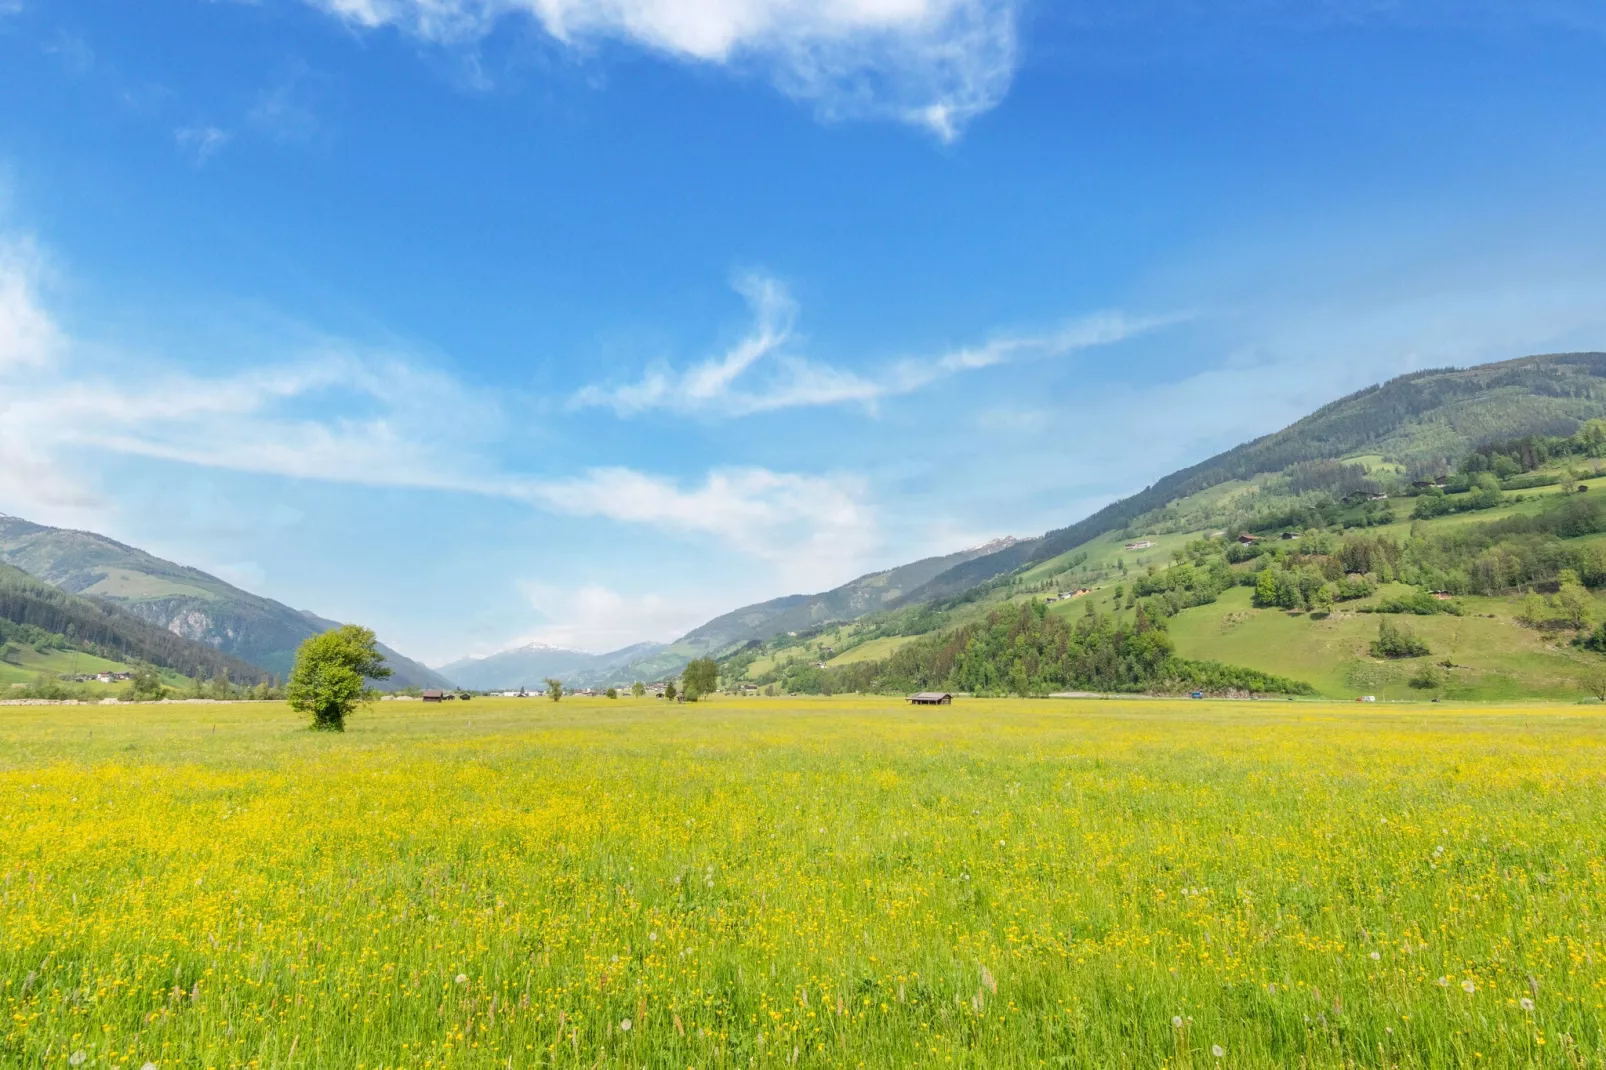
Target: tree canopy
point(330, 674)
point(699, 678)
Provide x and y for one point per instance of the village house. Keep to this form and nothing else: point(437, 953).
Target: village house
point(1142, 544)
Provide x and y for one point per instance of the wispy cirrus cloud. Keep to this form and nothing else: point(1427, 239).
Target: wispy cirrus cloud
point(934, 63)
point(760, 373)
point(345, 415)
point(201, 143)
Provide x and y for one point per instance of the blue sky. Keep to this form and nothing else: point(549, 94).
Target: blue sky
point(581, 321)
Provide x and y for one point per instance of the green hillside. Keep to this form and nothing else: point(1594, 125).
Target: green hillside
point(184, 601)
point(798, 613)
point(1290, 574)
point(44, 629)
point(1384, 436)
point(1418, 423)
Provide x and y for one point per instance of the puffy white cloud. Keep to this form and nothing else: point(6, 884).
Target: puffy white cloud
point(936, 63)
point(760, 373)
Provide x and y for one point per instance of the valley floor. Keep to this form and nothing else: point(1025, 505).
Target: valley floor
point(804, 882)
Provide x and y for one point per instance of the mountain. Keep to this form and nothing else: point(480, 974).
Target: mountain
point(185, 601)
point(529, 666)
point(1421, 421)
point(1450, 497)
point(800, 612)
point(101, 628)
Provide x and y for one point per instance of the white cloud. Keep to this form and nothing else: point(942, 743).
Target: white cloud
point(810, 528)
point(28, 336)
point(342, 415)
point(935, 63)
point(29, 341)
point(599, 619)
point(201, 142)
point(760, 374)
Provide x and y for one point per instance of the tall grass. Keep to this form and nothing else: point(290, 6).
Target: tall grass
point(836, 882)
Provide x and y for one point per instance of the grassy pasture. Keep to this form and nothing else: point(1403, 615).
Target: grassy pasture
point(816, 883)
point(28, 663)
point(1496, 659)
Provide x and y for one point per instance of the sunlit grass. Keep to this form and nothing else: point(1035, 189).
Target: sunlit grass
point(828, 882)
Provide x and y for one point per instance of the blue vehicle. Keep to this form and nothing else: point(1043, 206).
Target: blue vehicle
point(1198, 694)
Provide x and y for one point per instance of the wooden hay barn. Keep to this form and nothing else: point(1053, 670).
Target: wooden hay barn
point(433, 695)
point(932, 698)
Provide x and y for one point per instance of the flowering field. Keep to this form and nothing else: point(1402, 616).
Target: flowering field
point(828, 882)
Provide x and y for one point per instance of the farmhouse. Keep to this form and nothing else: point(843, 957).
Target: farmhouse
point(932, 698)
point(1248, 540)
point(1141, 544)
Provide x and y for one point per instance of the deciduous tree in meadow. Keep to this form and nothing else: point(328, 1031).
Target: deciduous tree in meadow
point(554, 688)
point(700, 677)
point(330, 674)
point(1574, 601)
point(146, 686)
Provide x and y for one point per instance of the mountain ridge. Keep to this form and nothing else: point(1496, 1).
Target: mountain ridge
point(1420, 419)
point(796, 612)
point(112, 631)
point(180, 598)
point(530, 665)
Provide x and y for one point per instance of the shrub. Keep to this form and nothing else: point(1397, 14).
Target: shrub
point(1426, 678)
point(1397, 641)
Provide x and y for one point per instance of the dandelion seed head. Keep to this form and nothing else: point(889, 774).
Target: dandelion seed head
point(1176, 1020)
point(1526, 1004)
point(624, 1026)
point(1468, 987)
point(76, 1058)
point(462, 978)
point(1376, 956)
point(1215, 1049)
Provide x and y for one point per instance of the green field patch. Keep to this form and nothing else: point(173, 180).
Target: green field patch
point(1494, 658)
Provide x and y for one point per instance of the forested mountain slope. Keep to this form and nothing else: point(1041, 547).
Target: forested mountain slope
point(1423, 421)
point(185, 601)
point(100, 628)
point(1343, 577)
point(799, 612)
